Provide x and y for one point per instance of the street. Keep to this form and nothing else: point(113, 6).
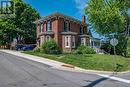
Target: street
point(19, 72)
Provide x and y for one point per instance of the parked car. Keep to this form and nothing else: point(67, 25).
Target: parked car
point(25, 47)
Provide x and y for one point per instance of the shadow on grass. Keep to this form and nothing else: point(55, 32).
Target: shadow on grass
point(92, 84)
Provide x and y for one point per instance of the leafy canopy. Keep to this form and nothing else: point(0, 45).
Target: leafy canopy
point(108, 16)
point(18, 25)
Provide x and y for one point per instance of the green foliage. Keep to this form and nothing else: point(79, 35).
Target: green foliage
point(84, 50)
point(50, 47)
point(128, 47)
point(19, 24)
point(107, 16)
point(110, 17)
point(121, 47)
point(90, 61)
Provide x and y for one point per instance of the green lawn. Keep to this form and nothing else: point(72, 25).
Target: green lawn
point(89, 61)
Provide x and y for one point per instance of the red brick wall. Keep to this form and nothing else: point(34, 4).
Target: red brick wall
point(55, 29)
point(60, 29)
point(44, 26)
point(74, 27)
point(38, 29)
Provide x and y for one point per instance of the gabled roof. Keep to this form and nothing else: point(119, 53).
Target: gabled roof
point(59, 15)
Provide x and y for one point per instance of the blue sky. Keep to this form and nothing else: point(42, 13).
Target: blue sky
point(74, 8)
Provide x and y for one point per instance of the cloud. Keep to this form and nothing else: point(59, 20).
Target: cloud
point(80, 5)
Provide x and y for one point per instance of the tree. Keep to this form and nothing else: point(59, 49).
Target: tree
point(25, 16)
point(8, 30)
point(20, 24)
point(110, 17)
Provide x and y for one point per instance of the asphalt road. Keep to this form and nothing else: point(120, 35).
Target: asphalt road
point(19, 72)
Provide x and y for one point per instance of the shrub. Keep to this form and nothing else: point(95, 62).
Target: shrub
point(50, 47)
point(88, 50)
point(84, 50)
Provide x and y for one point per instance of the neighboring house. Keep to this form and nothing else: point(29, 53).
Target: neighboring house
point(65, 30)
point(94, 42)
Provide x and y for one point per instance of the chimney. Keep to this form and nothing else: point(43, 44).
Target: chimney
point(83, 19)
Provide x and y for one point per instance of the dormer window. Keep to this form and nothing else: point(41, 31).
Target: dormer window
point(41, 28)
point(49, 28)
point(66, 26)
point(81, 30)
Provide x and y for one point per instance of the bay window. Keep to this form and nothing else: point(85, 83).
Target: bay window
point(82, 41)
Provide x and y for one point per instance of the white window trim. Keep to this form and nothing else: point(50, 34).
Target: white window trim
point(68, 42)
point(73, 40)
point(83, 41)
point(49, 26)
point(41, 28)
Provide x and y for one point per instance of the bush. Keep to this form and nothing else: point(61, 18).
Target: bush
point(50, 47)
point(84, 50)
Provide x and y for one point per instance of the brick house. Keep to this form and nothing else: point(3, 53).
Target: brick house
point(65, 30)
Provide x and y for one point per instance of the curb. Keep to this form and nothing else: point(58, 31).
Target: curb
point(68, 65)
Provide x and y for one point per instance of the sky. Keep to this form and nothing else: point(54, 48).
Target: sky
point(73, 8)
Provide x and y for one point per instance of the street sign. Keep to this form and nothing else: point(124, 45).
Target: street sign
point(114, 42)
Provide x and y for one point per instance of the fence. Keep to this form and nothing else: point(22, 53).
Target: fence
point(4, 47)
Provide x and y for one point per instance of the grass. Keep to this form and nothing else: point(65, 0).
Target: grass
point(89, 61)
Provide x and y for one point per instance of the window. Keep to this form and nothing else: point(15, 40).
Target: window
point(66, 26)
point(67, 41)
point(42, 40)
point(73, 41)
point(82, 41)
point(48, 37)
point(48, 26)
point(41, 28)
point(81, 30)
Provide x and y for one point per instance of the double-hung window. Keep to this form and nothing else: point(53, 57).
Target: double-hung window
point(42, 40)
point(67, 41)
point(66, 26)
point(73, 41)
point(49, 28)
point(41, 28)
point(81, 30)
point(82, 41)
